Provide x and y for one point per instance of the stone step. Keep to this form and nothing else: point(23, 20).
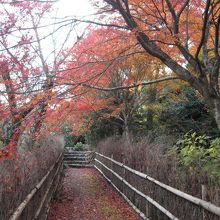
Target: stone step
point(78, 152)
point(76, 155)
point(75, 158)
point(78, 159)
point(77, 162)
point(79, 165)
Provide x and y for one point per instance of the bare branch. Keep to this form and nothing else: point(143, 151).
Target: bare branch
point(204, 28)
point(182, 8)
point(130, 86)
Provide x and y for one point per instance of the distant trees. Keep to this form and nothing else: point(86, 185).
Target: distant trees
point(185, 111)
point(171, 111)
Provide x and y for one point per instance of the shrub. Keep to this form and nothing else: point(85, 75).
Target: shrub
point(198, 154)
point(79, 146)
point(19, 175)
point(213, 159)
point(158, 159)
point(193, 139)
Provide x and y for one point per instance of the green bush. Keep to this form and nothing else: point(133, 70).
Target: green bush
point(79, 146)
point(198, 153)
point(192, 139)
point(213, 162)
point(69, 139)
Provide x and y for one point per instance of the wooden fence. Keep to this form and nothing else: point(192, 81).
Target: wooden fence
point(151, 198)
point(36, 204)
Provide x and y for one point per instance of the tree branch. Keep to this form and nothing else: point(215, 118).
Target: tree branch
point(204, 28)
point(130, 86)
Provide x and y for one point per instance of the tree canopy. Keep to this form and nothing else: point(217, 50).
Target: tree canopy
point(100, 73)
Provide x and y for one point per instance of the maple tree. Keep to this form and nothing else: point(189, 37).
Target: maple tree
point(103, 59)
point(27, 72)
point(184, 35)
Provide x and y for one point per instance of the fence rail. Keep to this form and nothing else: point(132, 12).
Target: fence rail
point(36, 203)
point(151, 198)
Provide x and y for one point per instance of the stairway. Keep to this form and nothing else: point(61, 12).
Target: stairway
point(79, 159)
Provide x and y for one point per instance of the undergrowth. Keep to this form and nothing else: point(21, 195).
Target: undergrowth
point(156, 158)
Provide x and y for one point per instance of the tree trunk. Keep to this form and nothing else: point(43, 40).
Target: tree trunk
point(216, 111)
point(126, 132)
point(152, 92)
point(150, 115)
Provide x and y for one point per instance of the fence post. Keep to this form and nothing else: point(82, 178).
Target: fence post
point(204, 197)
point(111, 167)
point(123, 176)
point(147, 211)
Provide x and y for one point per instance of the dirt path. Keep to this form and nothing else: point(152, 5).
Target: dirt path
point(85, 195)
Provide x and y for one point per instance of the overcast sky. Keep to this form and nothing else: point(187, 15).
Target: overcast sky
point(66, 8)
point(74, 7)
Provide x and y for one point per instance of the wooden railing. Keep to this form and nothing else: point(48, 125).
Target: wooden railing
point(151, 198)
point(36, 204)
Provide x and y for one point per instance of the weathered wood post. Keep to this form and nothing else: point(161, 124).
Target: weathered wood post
point(204, 197)
point(112, 167)
point(123, 176)
point(148, 211)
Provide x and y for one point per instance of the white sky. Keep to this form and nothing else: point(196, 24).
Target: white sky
point(74, 7)
point(65, 8)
